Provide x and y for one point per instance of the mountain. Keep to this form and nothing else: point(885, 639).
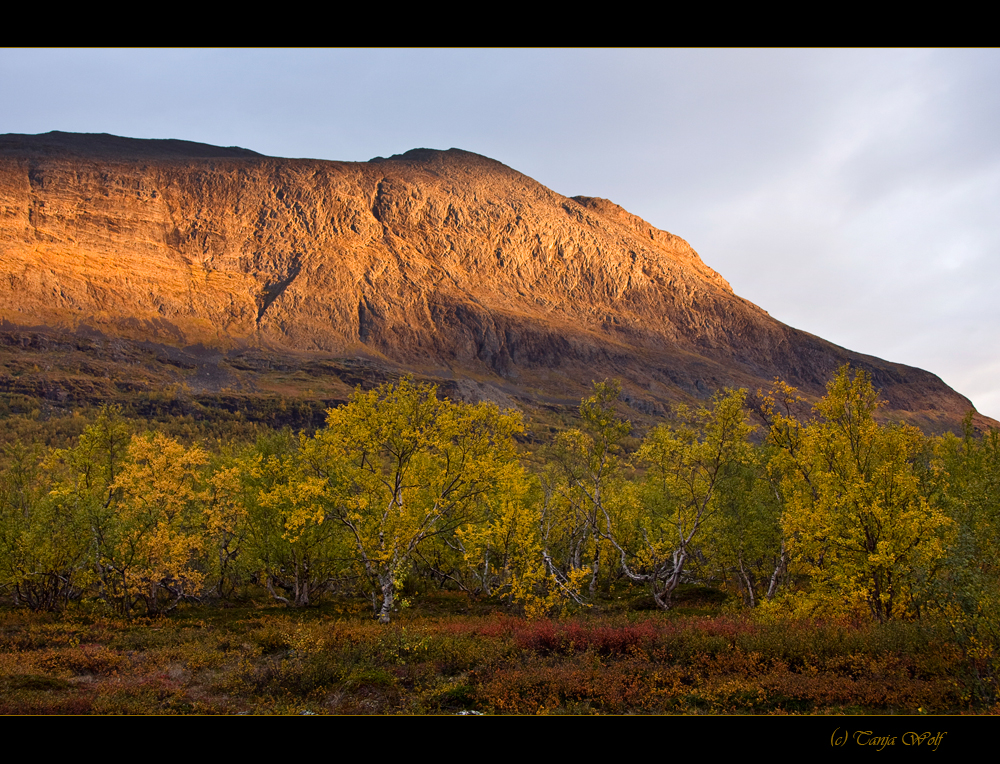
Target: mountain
point(445, 263)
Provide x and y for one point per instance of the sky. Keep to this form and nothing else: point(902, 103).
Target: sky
point(852, 194)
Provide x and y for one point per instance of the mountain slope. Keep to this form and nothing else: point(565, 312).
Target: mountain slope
point(444, 262)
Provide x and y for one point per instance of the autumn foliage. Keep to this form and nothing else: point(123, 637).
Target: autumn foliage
point(788, 510)
point(332, 660)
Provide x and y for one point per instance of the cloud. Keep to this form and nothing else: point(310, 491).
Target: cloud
point(850, 193)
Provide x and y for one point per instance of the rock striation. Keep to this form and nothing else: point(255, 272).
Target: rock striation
point(444, 262)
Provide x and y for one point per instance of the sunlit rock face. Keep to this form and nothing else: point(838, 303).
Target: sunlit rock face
point(445, 262)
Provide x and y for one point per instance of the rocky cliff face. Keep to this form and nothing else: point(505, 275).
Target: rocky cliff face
point(442, 261)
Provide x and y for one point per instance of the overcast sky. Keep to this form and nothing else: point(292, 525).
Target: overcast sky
point(850, 193)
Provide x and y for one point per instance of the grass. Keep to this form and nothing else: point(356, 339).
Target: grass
point(449, 655)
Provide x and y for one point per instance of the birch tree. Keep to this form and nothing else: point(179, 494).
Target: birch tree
point(585, 484)
point(685, 461)
point(860, 521)
point(400, 466)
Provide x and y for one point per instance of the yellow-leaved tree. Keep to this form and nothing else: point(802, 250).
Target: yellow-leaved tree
point(686, 462)
point(150, 549)
point(585, 485)
point(860, 520)
point(291, 542)
point(398, 466)
point(84, 493)
point(967, 592)
point(43, 535)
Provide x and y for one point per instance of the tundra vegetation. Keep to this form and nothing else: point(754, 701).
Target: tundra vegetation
point(751, 554)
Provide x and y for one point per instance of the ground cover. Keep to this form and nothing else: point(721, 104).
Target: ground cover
point(449, 654)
